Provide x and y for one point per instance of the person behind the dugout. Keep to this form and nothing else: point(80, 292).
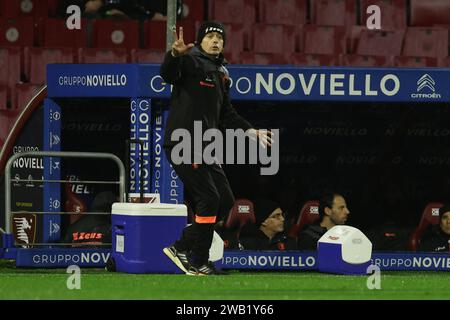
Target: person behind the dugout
point(201, 94)
point(268, 232)
point(437, 238)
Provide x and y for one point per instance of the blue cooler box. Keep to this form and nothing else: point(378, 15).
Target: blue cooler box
point(140, 231)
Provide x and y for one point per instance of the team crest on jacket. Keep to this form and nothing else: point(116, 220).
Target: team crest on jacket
point(208, 82)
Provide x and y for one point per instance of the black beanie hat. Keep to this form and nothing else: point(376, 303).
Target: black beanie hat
point(263, 209)
point(210, 26)
point(444, 209)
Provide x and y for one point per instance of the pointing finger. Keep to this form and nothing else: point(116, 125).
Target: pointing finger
point(181, 33)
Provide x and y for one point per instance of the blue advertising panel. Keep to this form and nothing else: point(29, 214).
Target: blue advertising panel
point(140, 129)
point(269, 83)
point(52, 171)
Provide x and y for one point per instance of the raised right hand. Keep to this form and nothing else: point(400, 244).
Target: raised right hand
point(179, 47)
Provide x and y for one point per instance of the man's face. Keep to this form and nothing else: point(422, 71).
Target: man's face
point(445, 223)
point(275, 221)
point(212, 43)
point(339, 212)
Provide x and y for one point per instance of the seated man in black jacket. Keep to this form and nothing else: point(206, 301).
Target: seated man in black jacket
point(268, 231)
point(437, 239)
point(332, 211)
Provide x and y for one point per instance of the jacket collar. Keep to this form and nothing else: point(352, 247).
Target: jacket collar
point(199, 52)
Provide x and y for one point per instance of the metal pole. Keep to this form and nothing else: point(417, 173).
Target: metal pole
point(171, 22)
point(95, 155)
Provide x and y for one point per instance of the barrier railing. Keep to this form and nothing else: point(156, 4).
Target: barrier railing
point(92, 155)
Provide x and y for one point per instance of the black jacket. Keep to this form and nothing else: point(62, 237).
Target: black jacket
point(434, 240)
point(200, 93)
point(307, 239)
point(254, 239)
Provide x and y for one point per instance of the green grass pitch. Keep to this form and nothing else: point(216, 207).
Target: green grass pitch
point(50, 284)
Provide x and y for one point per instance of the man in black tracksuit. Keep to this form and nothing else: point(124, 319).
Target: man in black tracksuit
point(437, 238)
point(201, 94)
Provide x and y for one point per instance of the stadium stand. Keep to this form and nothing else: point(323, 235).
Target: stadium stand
point(426, 42)
point(430, 12)
point(17, 32)
point(108, 33)
point(416, 62)
point(314, 59)
point(155, 33)
point(238, 37)
point(295, 32)
point(146, 56)
point(96, 55)
point(279, 39)
point(354, 60)
point(54, 33)
point(241, 214)
point(30, 8)
point(36, 60)
point(3, 98)
point(380, 43)
point(7, 119)
point(261, 58)
point(393, 13)
point(430, 216)
point(333, 12)
point(308, 214)
point(324, 39)
point(23, 93)
point(10, 64)
point(287, 12)
point(232, 11)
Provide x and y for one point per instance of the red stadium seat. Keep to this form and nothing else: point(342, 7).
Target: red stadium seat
point(155, 33)
point(108, 33)
point(232, 11)
point(10, 68)
point(416, 62)
point(393, 13)
point(147, 56)
point(241, 214)
point(261, 58)
point(236, 41)
point(24, 92)
point(426, 42)
point(380, 43)
point(308, 214)
point(93, 55)
point(16, 32)
point(324, 39)
point(314, 59)
point(288, 12)
point(36, 60)
point(333, 12)
point(194, 10)
point(28, 8)
point(354, 60)
point(54, 33)
point(3, 98)
point(277, 39)
point(430, 216)
point(7, 120)
point(430, 12)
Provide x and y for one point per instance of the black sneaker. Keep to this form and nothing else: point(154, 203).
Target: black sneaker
point(180, 258)
point(208, 270)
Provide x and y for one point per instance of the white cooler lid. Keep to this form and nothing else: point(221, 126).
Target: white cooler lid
point(148, 209)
